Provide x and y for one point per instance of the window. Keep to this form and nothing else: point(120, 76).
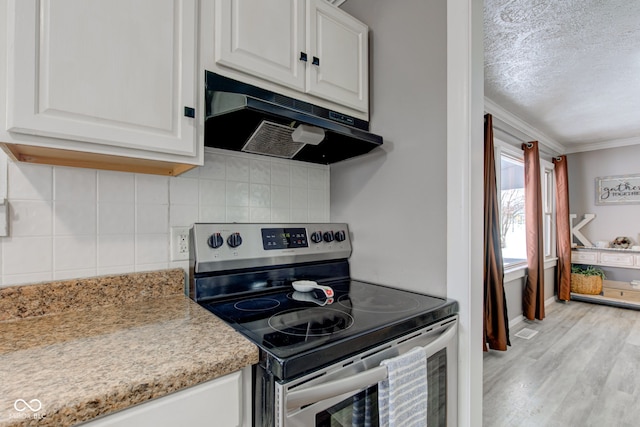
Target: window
point(548, 209)
point(512, 219)
point(510, 181)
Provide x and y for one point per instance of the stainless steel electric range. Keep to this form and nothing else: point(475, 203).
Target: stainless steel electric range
point(321, 334)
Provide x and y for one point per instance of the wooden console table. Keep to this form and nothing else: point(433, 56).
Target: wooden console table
point(624, 258)
point(616, 293)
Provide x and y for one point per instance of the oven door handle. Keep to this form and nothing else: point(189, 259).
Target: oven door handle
point(362, 380)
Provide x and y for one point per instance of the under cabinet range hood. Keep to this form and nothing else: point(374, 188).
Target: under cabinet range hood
point(242, 117)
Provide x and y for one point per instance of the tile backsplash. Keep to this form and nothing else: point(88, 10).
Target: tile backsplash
point(71, 222)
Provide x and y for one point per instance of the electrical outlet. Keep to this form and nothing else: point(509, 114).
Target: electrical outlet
point(179, 243)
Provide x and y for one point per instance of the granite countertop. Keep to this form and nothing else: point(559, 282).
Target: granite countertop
point(89, 347)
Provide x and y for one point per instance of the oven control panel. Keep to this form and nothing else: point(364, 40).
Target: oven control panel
point(221, 246)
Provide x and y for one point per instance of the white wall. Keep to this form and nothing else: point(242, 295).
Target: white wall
point(613, 220)
point(405, 202)
point(72, 222)
point(395, 200)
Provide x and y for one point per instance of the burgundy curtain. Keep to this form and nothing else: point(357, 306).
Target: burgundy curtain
point(533, 297)
point(563, 227)
point(496, 322)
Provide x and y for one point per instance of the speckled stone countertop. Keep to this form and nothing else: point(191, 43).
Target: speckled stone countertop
point(89, 347)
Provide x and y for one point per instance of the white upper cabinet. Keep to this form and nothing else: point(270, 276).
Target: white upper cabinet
point(310, 46)
point(262, 38)
point(117, 73)
point(340, 62)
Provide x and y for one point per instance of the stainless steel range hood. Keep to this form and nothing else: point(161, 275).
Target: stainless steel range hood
point(242, 117)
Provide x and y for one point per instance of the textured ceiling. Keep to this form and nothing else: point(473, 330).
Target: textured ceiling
point(569, 68)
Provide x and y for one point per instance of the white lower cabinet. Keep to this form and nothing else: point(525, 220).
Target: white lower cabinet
point(223, 402)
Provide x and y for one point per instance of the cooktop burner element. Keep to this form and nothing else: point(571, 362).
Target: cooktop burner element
point(310, 322)
point(257, 304)
point(385, 300)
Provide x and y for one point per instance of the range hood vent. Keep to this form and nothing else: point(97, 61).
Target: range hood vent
point(243, 117)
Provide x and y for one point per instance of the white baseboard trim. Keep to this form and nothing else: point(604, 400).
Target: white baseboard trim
point(520, 318)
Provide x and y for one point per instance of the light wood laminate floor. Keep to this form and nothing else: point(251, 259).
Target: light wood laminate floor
point(581, 369)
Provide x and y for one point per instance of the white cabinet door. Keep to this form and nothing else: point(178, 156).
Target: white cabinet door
point(307, 45)
point(113, 72)
point(262, 38)
point(338, 66)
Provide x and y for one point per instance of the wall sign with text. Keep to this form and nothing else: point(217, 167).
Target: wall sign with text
point(618, 190)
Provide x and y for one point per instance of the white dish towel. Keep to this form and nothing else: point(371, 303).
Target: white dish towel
point(402, 397)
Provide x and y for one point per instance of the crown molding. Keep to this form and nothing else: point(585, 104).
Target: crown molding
point(602, 145)
point(520, 130)
point(514, 130)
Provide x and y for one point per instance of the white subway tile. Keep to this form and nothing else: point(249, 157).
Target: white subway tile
point(299, 176)
point(152, 267)
point(299, 215)
point(237, 193)
point(31, 218)
point(260, 172)
point(116, 269)
point(280, 196)
point(280, 215)
point(260, 214)
point(182, 215)
point(212, 214)
point(183, 191)
point(237, 169)
point(74, 274)
point(116, 187)
point(74, 184)
point(30, 182)
point(260, 195)
point(152, 189)
point(237, 214)
point(22, 279)
point(280, 174)
point(214, 166)
point(152, 249)
point(74, 218)
point(299, 198)
point(318, 178)
point(116, 250)
point(116, 218)
point(212, 192)
point(27, 255)
point(152, 218)
point(74, 253)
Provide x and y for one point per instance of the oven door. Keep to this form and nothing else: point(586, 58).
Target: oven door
point(346, 393)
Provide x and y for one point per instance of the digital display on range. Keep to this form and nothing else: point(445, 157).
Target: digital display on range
point(284, 238)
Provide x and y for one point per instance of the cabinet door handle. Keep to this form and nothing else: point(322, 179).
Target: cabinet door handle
point(189, 112)
point(316, 61)
point(303, 56)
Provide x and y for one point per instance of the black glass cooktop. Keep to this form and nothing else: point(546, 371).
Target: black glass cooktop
point(302, 331)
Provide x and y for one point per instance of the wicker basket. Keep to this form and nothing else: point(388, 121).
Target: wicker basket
point(581, 284)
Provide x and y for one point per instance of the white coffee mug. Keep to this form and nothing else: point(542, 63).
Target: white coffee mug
point(602, 244)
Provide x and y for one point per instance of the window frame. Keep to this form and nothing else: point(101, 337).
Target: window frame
point(547, 185)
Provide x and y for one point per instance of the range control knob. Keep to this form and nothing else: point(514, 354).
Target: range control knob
point(234, 240)
point(340, 236)
point(316, 236)
point(215, 240)
point(328, 236)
